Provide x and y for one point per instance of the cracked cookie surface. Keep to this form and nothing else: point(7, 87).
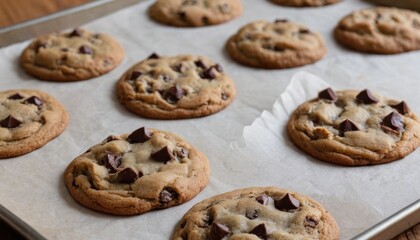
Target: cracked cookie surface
point(182, 86)
point(305, 3)
point(275, 45)
point(71, 56)
point(135, 173)
point(257, 213)
point(354, 128)
point(380, 30)
point(28, 120)
point(195, 13)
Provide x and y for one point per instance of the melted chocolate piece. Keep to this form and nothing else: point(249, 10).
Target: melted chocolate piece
point(167, 195)
point(34, 100)
point(15, 96)
point(366, 97)
point(174, 94)
point(153, 56)
point(401, 107)
point(218, 231)
point(128, 175)
point(180, 67)
point(287, 203)
point(209, 74)
point(135, 75)
point(76, 33)
point(112, 162)
point(111, 138)
point(310, 222)
point(140, 135)
point(10, 122)
point(328, 94)
point(346, 126)
point(163, 155)
point(219, 68)
point(393, 121)
point(85, 50)
point(260, 230)
point(263, 199)
point(199, 63)
point(253, 214)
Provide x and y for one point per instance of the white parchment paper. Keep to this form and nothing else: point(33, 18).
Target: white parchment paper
point(31, 186)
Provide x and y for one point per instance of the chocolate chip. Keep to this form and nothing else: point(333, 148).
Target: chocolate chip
point(182, 15)
point(166, 78)
point(225, 96)
point(205, 20)
point(76, 33)
point(15, 96)
point(304, 31)
point(218, 231)
point(346, 126)
point(167, 195)
point(135, 75)
point(182, 153)
point(140, 135)
point(401, 107)
point(34, 100)
point(260, 230)
point(10, 122)
point(199, 63)
point(218, 67)
point(128, 175)
point(174, 94)
point(263, 199)
point(328, 94)
point(393, 121)
point(111, 138)
point(310, 222)
point(112, 162)
point(154, 56)
point(180, 67)
point(207, 220)
point(163, 155)
point(209, 74)
point(85, 50)
point(281, 20)
point(64, 49)
point(253, 214)
point(287, 203)
point(366, 97)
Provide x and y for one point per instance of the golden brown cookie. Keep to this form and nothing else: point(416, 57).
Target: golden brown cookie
point(275, 45)
point(354, 128)
point(138, 172)
point(257, 213)
point(380, 30)
point(195, 13)
point(29, 119)
point(182, 86)
point(305, 3)
point(71, 56)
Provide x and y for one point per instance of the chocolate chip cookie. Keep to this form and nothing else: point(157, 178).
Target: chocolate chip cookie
point(195, 13)
point(275, 45)
point(71, 56)
point(28, 120)
point(380, 30)
point(182, 86)
point(137, 172)
point(354, 128)
point(305, 3)
point(257, 213)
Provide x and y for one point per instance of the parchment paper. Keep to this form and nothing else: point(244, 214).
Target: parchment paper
point(31, 186)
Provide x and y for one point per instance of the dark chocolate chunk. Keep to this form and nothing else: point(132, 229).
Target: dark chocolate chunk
point(346, 126)
point(154, 56)
point(199, 63)
point(34, 100)
point(393, 121)
point(252, 214)
point(180, 67)
point(218, 67)
point(10, 122)
point(128, 175)
point(85, 50)
point(163, 155)
point(182, 15)
point(328, 94)
point(310, 222)
point(167, 195)
point(173, 94)
point(209, 74)
point(225, 96)
point(366, 97)
point(263, 199)
point(112, 162)
point(135, 75)
point(76, 33)
point(281, 20)
point(208, 220)
point(304, 31)
point(140, 135)
point(401, 107)
point(218, 231)
point(111, 138)
point(260, 230)
point(15, 96)
point(287, 203)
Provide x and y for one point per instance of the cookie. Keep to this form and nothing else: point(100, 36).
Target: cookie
point(182, 86)
point(29, 119)
point(257, 213)
point(305, 3)
point(354, 128)
point(195, 13)
point(71, 56)
point(138, 172)
point(380, 30)
point(275, 45)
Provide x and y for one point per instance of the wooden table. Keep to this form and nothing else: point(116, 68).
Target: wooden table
point(16, 11)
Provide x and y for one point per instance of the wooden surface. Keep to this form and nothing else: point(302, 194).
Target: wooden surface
point(16, 11)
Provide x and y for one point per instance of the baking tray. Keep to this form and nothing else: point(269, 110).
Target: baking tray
point(390, 227)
